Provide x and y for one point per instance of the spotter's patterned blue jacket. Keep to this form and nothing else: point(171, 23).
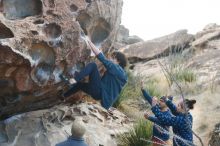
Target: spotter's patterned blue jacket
point(157, 131)
point(181, 123)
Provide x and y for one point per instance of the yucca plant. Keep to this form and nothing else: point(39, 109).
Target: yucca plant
point(176, 69)
point(141, 130)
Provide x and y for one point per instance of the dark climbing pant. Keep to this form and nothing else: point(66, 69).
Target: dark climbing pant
point(93, 87)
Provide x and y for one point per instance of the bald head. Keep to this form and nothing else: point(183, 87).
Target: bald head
point(78, 129)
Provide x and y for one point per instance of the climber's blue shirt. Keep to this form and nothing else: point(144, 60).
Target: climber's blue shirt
point(71, 141)
point(157, 131)
point(112, 81)
point(181, 123)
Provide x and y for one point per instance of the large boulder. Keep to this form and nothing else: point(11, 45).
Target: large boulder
point(49, 127)
point(150, 49)
point(123, 38)
point(205, 65)
point(205, 60)
point(133, 39)
point(123, 33)
point(208, 37)
point(41, 39)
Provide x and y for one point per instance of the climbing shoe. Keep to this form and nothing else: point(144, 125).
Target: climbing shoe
point(64, 78)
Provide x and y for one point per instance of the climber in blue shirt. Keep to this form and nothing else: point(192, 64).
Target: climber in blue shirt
point(181, 120)
point(107, 87)
point(160, 130)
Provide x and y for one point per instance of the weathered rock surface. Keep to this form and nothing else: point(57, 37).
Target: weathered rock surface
point(206, 67)
point(208, 36)
point(41, 39)
point(133, 39)
point(123, 38)
point(153, 48)
point(123, 33)
point(48, 127)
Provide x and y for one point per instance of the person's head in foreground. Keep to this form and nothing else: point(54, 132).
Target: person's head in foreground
point(78, 129)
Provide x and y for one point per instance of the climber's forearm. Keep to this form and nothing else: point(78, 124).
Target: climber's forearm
point(94, 49)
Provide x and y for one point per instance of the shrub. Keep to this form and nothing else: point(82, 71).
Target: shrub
point(131, 89)
point(185, 75)
point(141, 130)
point(176, 69)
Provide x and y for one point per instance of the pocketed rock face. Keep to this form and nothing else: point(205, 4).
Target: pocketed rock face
point(49, 127)
point(41, 39)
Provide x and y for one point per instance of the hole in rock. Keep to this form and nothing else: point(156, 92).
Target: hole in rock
point(50, 12)
point(39, 21)
point(42, 73)
point(68, 118)
point(131, 67)
point(52, 30)
point(7, 89)
point(84, 20)
point(12, 98)
point(41, 52)
point(2, 104)
point(34, 32)
point(56, 43)
point(5, 32)
point(51, 3)
point(73, 8)
point(100, 31)
point(88, 1)
point(59, 44)
point(5, 83)
point(17, 9)
point(9, 57)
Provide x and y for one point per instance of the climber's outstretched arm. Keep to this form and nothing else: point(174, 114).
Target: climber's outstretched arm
point(94, 49)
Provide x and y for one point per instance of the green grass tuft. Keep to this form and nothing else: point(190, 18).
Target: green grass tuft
point(141, 130)
point(131, 89)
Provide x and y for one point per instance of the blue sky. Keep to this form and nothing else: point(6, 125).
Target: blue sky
point(154, 18)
